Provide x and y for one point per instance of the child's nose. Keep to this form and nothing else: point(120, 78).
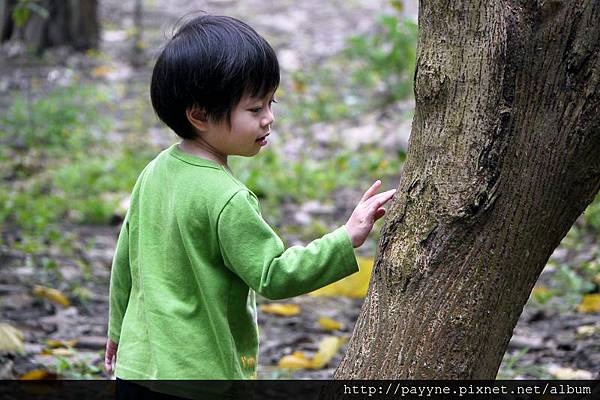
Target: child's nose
point(268, 118)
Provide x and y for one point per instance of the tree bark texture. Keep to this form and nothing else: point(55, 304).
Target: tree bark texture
point(69, 22)
point(504, 155)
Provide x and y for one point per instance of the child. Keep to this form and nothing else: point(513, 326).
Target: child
point(194, 242)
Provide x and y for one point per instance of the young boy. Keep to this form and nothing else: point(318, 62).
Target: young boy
point(194, 248)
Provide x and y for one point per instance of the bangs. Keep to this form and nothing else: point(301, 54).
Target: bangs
point(262, 77)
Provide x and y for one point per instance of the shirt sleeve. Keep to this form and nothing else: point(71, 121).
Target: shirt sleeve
point(120, 284)
point(254, 252)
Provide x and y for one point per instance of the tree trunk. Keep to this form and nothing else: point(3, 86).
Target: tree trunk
point(137, 54)
point(504, 156)
point(6, 23)
point(68, 22)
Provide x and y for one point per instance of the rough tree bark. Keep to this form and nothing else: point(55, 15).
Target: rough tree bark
point(504, 156)
point(69, 22)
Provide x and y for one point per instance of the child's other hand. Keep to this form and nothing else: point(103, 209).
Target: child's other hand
point(368, 210)
point(110, 356)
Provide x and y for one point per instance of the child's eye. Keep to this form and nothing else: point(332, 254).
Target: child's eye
point(259, 109)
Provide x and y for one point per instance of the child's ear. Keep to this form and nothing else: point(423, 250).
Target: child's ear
point(197, 117)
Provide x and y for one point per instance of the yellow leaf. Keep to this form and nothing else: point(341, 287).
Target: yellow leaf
point(102, 71)
point(37, 374)
point(296, 360)
point(585, 331)
point(11, 339)
point(286, 310)
point(590, 303)
point(51, 294)
point(60, 343)
point(62, 352)
point(54, 343)
point(327, 349)
point(354, 286)
point(329, 324)
point(570, 374)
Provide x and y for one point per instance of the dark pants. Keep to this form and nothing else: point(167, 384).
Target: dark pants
point(128, 390)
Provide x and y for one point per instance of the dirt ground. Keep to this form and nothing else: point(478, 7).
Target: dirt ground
point(303, 33)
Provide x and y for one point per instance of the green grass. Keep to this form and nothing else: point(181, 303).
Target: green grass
point(513, 367)
point(591, 215)
point(373, 70)
point(58, 165)
point(76, 370)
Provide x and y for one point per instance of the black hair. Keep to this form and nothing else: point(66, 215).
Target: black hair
point(211, 62)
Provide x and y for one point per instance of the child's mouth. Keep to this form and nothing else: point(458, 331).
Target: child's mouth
point(262, 139)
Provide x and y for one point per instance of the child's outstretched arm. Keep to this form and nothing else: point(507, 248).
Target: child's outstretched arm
point(369, 209)
point(253, 251)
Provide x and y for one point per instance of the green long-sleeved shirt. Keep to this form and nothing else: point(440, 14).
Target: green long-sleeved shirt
point(191, 247)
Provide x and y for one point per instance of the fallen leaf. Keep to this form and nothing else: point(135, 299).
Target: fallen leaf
point(60, 343)
point(354, 286)
point(329, 324)
point(285, 310)
point(570, 374)
point(11, 339)
point(586, 331)
point(327, 349)
point(62, 352)
point(102, 71)
point(51, 294)
point(590, 303)
point(38, 374)
point(296, 360)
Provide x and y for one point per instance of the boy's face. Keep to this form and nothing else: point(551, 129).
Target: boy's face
point(251, 122)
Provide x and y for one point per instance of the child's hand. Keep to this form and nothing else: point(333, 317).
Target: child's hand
point(110, 356)
point(368, 210)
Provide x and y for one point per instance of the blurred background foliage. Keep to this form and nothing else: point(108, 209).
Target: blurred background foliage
point(59, 163)
point(70, 154)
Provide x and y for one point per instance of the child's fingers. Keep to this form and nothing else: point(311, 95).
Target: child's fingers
point(110, 356)
point(379, 213)
point(377, 201)
point(108, 364)
point(371, 191)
